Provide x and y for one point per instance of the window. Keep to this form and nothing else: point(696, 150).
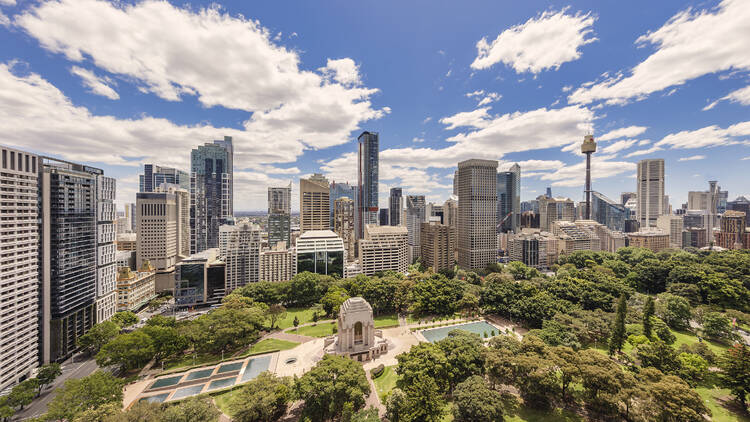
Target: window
point(12, 160)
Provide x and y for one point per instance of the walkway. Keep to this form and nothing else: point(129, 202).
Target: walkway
point(282, 335)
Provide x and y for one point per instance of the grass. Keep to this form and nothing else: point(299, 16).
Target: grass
point(303, 314)
point(715, 399)
point(386, 321)
point(271, 345)
point(187, 361)
point(319, 330)
point(385, 382)
point(525, 414)
point(222, 401)
point(686, 337)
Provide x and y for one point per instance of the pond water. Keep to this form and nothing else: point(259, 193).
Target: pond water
point(479, 327)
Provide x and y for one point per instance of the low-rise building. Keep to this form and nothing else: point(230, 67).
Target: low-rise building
point(126, 242)
point(534, 248)
point(731, 234)
point(649, 238)
point(135, 289)
point(199, 279)
point(322, 252)
point(575, 237)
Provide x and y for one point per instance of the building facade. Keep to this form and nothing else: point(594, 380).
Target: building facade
point(135, 288)
point(395, 207)
point(673, 225)
point(477, 213)
point(383, 248)
point(651, 201)
point(154, 176)
point(199, 279)
point(649, 238)
point(367, 181)
point(279, 215)
point(415, 216)
point(533, 248)
point(343, 225)
point(608, 212)
point(555, 209)
point(341, 190)
point(509, 200)
point(211, 192)
point(241, 255)
point(106, 276)
point(278, 264)
point(741, 204)
point(322, 252)
point(19, 266)
point(437, 245)
point(163, 227)
point(314, 203)
point(732, 231)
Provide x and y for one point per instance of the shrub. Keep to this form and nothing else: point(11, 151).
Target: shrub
point(377, 371)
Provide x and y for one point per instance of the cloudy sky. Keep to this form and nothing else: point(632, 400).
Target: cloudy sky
point(126, 83)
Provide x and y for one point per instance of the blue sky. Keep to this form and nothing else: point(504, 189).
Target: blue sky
point(118, 85)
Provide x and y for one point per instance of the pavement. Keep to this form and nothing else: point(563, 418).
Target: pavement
point(70, 370)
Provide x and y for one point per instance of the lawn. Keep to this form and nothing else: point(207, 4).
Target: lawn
point(686, 337)
point(385, 321)
point(319, 330)
point(304, 315)
point(385, 382)
point(187, 361)
point(714, 398)
point(271, 345)
point(222, 400)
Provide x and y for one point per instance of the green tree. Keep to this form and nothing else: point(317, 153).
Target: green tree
point(193, 409)
point(617, 338)
point(112, 412)
point(227, 329)
point(436, 294)
point(295, 322)
point(333, 382)
point(717, 326)
point(131, 350)
point(276, 312)
point(23, 394)
point(161, 321)
point(474, 401)
point(79, 395)
point(659, 355)
point(735, 372)
point(366, 415)
point(693, 368)
point(424, 360)
point(662, 331)
point(464, 353)
point(263, 399)
point(236, 301)
point(568, 363)
point(332, 300)
point(167, 341)
point(648, 313)
point(672, 400)
point(305, 289)
point(422, 401)
point(124, 319)
point(675, 311)
point(6, 408)
point(99, 335)
point(48, 373)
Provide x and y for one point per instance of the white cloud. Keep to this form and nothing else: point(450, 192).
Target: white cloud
point(618, 146)
point(8, 2)
point(449, 73)
point(644, 151)
point(708, 136)
point(223, 60)
point(601, 168)
point(477, 118)
point(692, 158)
point(426, 120)
point(624, 132)
point(490, 98)
point(417, 140)
point(691, 44)
point(476, 93)
point(96, 85)
point(544, 42)
point(644, 142)
point(746, 158)
point(741, 96)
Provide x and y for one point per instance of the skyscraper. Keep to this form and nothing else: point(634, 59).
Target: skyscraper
point(19, 265)
point(395, 207)
point(106, 269)
point(383, 217)
point(509, 200)
point(608, 212)
point(341, 190)
point(555, 209)
point(343, 225)
point(383, 248)
point(415, 216)
point(650, 192)
point(279, 215)
point(163, 226)
point(367, 197)
point(211, 193)
point(477, 213)
point(68, 253)
point(314, 204)
point(241, 255)
point(437, 244)
point(153, 176)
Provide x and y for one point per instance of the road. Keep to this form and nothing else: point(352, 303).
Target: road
point(70, 370)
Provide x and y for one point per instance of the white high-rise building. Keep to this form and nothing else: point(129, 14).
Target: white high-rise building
point(19, 235)
point(415, 216)
point(383, 248)
point(278, 264)
point(673, 225)
point(650, 192)
point(163, 228)
point(241, 254)
point(477, 213)
point(106, 277)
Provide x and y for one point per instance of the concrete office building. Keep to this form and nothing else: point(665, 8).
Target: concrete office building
point(68, 255)
point(211, 192)
point(732, 231)
point(477, 213)
point(241, 255)
point(384, 248)
point(649, 238)
point(741, 204)
point(651, 202)
point(341, 190)
point(162, 228)
point(437, 245)
point(278, 263)
point(671, 224)
point(106, 277)
point(509, 200)
point(130, 215)
point(279, 215)
point(610, 240)
point(555, 209)
point(19, 266)
point(367, 181)
point(533, 248)
point(314, 203)
point(573, 237)
point(125, 259)
point(127, 241)
point(322, 252)
point(135, 288)
point(450, 218)
point(415, 216)
point(343, 225)
point(395, 207)
point(694, 237)
point(154, 176)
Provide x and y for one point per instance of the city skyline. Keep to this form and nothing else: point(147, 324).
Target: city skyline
point(448, 97)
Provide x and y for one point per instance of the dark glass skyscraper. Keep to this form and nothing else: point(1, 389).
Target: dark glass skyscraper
point(608, 212)
point(367, 197)
point(509, 200)
point(153, 176)
point(395, 206)
point(211, 193)
point(338, 191)
point(279, 215)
